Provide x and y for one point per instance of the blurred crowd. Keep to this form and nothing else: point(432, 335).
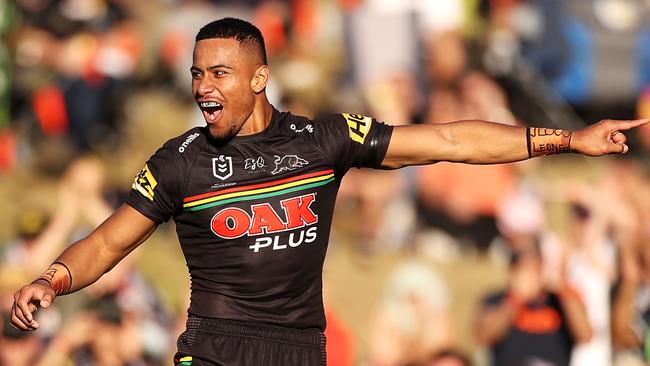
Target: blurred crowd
point(90, 88)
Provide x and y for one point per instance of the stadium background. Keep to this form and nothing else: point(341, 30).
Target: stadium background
point(89, 89)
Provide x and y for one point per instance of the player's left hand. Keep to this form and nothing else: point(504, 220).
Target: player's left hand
point(604, 137)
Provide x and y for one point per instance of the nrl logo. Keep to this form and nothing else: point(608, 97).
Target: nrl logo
point(288, 162)
point(222, 167)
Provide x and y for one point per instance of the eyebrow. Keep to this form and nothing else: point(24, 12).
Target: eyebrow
point(220, 66)
point(210, 68)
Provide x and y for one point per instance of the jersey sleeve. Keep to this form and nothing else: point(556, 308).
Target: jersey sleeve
point(155, 191)
point(352, 140)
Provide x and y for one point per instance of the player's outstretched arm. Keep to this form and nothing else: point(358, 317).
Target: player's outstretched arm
point(83, 263)
point(481, 142)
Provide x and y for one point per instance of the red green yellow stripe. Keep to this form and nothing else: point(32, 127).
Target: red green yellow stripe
point(185, 361)
point(255, 186)
point(262, 190)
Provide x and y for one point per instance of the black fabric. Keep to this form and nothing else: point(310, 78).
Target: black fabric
point(523, 345)
point(230, 343)
point(255, 252)
point(339, 137)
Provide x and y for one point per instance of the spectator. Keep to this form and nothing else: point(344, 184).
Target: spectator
point(94, 71)
point(631, 310)
point(101, 335)
point(631, 294)
point(412, 321)
point(530, 322)
point(462, 199)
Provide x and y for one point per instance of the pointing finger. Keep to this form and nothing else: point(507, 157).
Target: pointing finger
point(626, 125)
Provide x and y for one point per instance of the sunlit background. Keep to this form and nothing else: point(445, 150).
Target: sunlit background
point(89, 89)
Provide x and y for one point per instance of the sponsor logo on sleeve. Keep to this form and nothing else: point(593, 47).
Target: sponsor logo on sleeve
point(222, 167)
point(358, 126)
point(145, 183)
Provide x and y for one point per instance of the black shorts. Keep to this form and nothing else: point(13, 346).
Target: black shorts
point(221, 342)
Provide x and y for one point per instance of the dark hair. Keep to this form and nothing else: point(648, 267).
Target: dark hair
point(107, 309)
point(529, 250)
point(580, 211)
point(244, 32)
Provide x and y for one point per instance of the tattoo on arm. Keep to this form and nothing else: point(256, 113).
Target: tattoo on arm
point(58, 277)
point(547, 141)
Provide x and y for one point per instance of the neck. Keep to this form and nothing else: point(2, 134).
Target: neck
point(260, 119)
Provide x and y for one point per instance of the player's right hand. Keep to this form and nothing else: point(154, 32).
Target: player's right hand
point(604, 137)
point(27, 300)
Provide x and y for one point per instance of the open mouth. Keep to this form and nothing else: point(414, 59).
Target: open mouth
point(211, 110)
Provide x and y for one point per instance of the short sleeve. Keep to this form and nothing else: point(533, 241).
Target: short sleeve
point(352, 140)
point(155, 191)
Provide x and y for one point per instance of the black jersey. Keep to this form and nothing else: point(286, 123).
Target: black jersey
point(539, 331)
point(253, 215)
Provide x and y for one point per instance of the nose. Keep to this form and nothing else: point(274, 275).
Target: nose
point(205, 86)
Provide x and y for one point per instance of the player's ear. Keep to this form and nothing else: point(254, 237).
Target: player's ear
point(260, 78)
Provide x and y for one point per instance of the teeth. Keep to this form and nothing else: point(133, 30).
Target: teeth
point(209, 104)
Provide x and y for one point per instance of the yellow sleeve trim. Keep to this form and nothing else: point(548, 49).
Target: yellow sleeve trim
point(358, 126)
point(145, 183)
